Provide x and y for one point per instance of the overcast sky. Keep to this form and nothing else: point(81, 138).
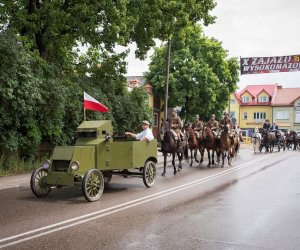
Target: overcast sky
point(252, 28)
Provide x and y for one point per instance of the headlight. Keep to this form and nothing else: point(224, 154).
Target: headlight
point(74, 165)
point(46, 164)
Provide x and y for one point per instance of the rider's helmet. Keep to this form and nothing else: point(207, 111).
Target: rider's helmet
point(197, 116)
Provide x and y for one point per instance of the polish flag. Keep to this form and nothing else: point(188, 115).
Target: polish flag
point(92, 104)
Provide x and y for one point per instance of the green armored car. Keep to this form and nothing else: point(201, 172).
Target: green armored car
point(93, 160)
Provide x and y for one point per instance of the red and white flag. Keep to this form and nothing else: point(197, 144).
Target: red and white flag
point(92, 104)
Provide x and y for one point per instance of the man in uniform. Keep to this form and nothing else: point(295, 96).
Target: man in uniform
point(197, 125)
point(224, 121)
point(213, 125)
point(175, 125)
point(267, 125)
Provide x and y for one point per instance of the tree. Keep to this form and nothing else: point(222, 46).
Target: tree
point(201, 75)
point(55, 27)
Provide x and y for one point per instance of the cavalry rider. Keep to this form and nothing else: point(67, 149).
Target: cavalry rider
point(237, 131)
point(224, 121)
point(197, 125)
point(267, 125)
point(176, 125)
point(213, 125)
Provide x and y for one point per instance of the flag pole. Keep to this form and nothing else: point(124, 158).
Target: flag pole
point(84, 116)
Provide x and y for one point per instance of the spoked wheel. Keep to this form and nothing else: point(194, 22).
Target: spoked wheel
point(149, 173)
point(92, 185)
point(38, 183)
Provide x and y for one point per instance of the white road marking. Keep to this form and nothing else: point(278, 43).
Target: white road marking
point(104, 212)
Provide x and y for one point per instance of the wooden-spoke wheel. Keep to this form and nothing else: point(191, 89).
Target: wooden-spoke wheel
point(149, 173)
point(92, 185)
point(38, 183)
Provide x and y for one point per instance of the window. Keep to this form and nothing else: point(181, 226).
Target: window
point(297, 120)
point(155, 123)
point(232, 114)
point(298, 103)
point(245, 116)
point(282, 115)
point(232, 101)
point(245, 99)
point(259, 115)
point(262, 99)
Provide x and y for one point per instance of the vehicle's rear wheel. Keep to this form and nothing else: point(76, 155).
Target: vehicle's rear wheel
point(92, 185)
point(149, 173)
point(38, 183)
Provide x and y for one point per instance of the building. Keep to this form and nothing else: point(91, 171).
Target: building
point(255, 103)
point(153, 101)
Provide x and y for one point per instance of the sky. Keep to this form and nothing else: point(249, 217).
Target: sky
point(251, 28)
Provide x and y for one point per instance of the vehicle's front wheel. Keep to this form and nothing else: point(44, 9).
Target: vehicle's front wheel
point(149, 173)
point(92, 185)
point(38, 183)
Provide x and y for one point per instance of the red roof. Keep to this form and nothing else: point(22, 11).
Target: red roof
point(255, 90)
point(286, 96)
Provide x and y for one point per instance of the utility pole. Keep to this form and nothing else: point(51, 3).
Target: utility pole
point(167, 80)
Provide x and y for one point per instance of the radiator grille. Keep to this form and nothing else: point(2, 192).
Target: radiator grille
point(60, 165)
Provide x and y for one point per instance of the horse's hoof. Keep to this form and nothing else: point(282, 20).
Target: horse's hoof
point(222, 166)
point(175, 172)
point(163, 174)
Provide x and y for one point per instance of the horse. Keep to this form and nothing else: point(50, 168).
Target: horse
point(268, 140)
point(210, 143)
point(193, 143)
point(292, 139)
point(256, 140)
point(169, 145)
point(225, 145)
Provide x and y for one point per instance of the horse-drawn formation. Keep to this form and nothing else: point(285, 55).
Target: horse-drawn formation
point(272, 140)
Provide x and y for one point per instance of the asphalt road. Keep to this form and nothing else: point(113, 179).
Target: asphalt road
point(254, 204)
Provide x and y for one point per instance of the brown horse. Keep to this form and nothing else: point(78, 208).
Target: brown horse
point(193, 143)
point(225, 145)
point(170, 146)
point(210, 144)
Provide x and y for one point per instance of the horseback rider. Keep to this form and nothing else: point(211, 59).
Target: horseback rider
point(176, 125)
point(213, 125)
point(237, 131)
point(225, 121)
point(197, 125)
point(274, 128)
point(267, 125)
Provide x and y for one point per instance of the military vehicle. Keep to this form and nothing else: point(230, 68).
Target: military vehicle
point(94, 159)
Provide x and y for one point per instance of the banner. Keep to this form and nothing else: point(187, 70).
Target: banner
point(274, 64)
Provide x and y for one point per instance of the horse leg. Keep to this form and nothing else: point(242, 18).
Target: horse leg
point(191, 150)
point(213, 158)
point(223, 157)
point(180, 157)
point(195, 155)
point(209, 162)
point(229, 158)
point(173, 162)
point(165, 163)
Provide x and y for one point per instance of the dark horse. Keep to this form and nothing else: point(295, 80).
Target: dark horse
point(210, 144)
point(292, 138)
point(268, 140)
point(225, 145)
point(170, 146)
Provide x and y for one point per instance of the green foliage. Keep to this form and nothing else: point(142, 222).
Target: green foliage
point(201, 75)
